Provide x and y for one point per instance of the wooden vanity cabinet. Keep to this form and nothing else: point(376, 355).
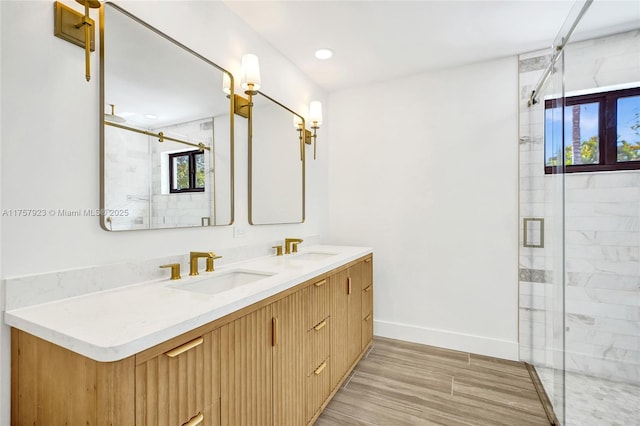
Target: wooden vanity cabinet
point(276, 362)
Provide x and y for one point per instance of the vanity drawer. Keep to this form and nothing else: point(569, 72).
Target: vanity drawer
point(177, 387)
point(367, 330)
point(367, 300)
point(367, 271)
point(318, 343)
point(318, 387)
point(317, 300)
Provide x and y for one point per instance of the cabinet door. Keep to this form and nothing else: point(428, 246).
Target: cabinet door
point(339, 309)
point(245, 370)
point(289, 354)
point(354, 283)
point(179, 385)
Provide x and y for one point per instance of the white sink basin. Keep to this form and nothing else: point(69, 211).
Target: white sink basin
point(222, 281)
point(313, 256)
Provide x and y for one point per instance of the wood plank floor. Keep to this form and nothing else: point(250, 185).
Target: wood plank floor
point(400, 383)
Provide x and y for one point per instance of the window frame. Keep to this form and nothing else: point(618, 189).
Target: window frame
point(192, 171)
point(607, 132)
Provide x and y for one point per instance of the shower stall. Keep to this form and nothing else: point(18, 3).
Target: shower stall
point(579, 284)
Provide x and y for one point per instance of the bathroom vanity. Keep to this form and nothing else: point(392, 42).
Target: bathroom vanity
point(269, 347)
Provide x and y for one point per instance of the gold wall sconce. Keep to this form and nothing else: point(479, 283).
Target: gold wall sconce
point(76, 28)
point(250, 82)
point(315, 117)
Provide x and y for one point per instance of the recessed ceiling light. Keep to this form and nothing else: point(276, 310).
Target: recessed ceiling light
point(151, 116)
point(324, 53)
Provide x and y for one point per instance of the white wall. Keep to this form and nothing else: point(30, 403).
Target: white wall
point(425, 171)
point(50, 143)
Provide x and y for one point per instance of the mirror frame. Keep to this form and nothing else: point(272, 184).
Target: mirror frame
point(250, 171)
point(103, 209)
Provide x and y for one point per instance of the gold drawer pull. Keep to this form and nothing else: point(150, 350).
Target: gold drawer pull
point(319, 369)
point(194, 421)
point(367, 260)
point(367, 318)
point(348, 285)
point(320, 326)
point(274, 331)
point(369, 288)
point(182, 349)
point(320, 283)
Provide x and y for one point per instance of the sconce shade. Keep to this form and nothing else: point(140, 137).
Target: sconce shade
point(315, 112)
point(250, 72)
point(226, 83)
point(297, 121)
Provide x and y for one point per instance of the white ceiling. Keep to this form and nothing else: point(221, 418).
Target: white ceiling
point(381, 40)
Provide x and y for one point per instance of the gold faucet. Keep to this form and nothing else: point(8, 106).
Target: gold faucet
point(289, 242)
point(193, 261)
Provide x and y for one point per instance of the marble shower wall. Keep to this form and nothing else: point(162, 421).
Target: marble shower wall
point(601, 231)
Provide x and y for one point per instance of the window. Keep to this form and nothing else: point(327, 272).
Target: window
point(601, 132)
point(186, 171)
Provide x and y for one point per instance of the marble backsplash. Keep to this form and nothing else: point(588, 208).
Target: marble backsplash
point(42, 288)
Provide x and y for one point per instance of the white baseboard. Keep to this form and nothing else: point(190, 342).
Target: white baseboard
point(447, 339)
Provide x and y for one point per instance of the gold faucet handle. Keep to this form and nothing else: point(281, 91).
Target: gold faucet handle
point(210, 265)
point(278, 250)
point(294, 246)
point(175, 270)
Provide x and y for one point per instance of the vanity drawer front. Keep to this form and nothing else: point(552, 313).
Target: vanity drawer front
point(367, 271)
point(367, 300)
point(318, 344)
point(367, 330)
point(177, 386)
point(317, 300)
point(318, 387)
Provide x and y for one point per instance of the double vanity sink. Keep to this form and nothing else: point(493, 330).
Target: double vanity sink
point(221, 281)
point(114, 324)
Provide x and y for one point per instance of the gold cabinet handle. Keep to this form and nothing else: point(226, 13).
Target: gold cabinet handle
point(367, 318)
point(182, 349)
point(319, 369)
point(320, 283)
point(320, 326)
point(369, 288)
point(274, 331)
point(196, 420)
point(348, 285)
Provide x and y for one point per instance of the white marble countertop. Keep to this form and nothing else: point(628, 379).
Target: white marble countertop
point(115, 324)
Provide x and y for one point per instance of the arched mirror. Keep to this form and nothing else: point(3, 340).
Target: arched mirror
point(167, 134)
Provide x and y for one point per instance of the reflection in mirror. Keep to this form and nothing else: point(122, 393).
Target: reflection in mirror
point(276, 164)
point(167, 143)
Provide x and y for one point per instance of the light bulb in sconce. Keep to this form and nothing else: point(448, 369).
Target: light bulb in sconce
point(226, 83)
point(297, 121)
point(250, 73)
point(315, 113)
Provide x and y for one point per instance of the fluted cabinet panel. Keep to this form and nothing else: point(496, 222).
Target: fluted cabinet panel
point(246, 370)
point(289, 354)
point(339, 310)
